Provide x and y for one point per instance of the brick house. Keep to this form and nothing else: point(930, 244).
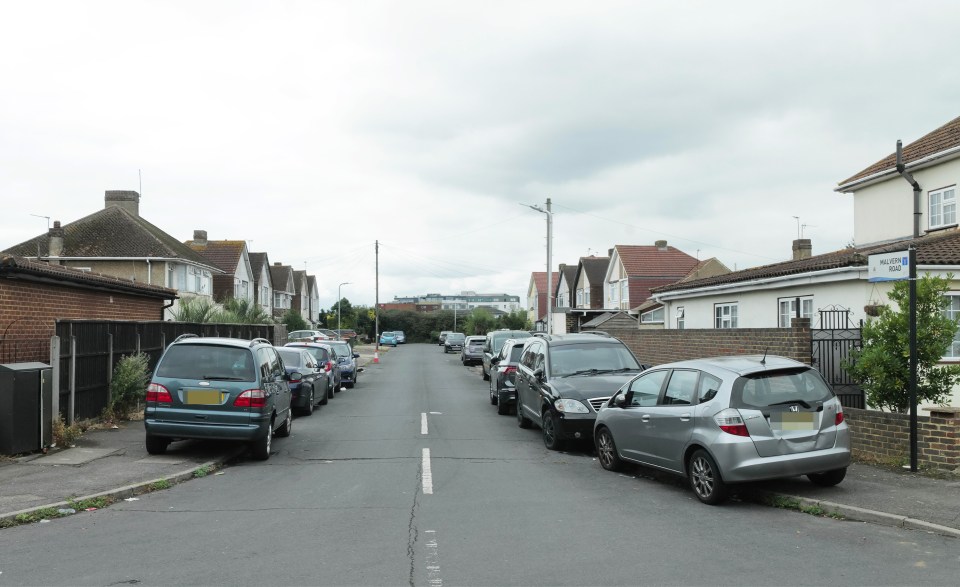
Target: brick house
point(233, 259)
point(35, 294)
point(262, 284)
point(118, 241)
point(283, 288)
point(537, 302)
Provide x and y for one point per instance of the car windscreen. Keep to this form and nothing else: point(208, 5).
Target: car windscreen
point(455, 337)
point(342, 349)
point(515, 353)
point(319, 353)
point(497, 340)
point(291, 358)
point(195, 361)
point(780, 388)
point(590, 357)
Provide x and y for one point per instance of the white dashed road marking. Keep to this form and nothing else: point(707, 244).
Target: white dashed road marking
point(427, 473)
point(423, 423)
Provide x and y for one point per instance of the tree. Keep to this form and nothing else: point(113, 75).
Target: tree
point(479, 321)
point(882, 364)
point(294, 321)
point(515, 321)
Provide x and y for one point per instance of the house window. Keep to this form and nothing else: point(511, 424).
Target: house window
point(614, 300)
point(725, 316)
point(652, 317)
point(624, 294)
point(586, 298)
point(943, 207)
point(953, 312)
point(788, 309)
point(680, 318)
point(579, 298)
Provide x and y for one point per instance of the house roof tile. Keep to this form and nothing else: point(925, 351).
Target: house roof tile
point(653, 261)
point(282, 278)
point(939, 140)
point(112, 232)
point(595, 268)
point(939, 248)
point(224, 254)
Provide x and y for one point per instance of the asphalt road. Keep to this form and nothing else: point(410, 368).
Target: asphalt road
point(412, 478)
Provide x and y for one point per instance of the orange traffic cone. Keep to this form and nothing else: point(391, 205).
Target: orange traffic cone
point(376, 357)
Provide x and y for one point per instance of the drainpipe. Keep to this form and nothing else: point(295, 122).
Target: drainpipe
point(166, 307)
point(902, 170)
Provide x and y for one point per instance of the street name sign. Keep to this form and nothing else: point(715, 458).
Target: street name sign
point(888, 266)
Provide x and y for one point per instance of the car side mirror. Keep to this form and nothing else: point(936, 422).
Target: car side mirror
point(356, 355)
point(495, 360)
point(538, 374)
point(620, 400)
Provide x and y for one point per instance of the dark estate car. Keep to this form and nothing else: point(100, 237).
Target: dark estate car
point(491, 347)
point(563, 379)
point(218, 388)
point(327, 358)
point(472, 351)
point(347, 360)
point(503, 378)
point(453, 342)
point(727, 420)
point(312, 385)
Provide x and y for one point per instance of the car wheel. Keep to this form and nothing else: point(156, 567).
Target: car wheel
point(551, 431)
point(287, 427)
point(308, 411)
point(156, 445)
point(261, 447)
point(330, 391)
point(522, 421)
point(705, 478)
point(829, 478)
point(486, 376)
point(493, 395)
point(607, 451)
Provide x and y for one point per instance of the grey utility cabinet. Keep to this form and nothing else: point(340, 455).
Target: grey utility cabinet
point(26, 396)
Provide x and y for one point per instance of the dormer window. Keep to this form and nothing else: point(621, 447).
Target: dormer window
point(943, 207)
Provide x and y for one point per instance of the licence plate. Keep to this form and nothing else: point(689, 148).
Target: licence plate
point(794, 421)
point(202, 397)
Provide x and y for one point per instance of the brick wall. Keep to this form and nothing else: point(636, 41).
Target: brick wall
point(28, 311)
point(886, 437)
point(654, 347)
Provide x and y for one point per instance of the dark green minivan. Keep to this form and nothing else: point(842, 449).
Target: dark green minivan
point(219, 388)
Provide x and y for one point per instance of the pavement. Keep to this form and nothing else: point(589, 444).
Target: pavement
point(112, 463)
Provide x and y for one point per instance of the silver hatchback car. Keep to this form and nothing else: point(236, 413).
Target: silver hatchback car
point(727, 420)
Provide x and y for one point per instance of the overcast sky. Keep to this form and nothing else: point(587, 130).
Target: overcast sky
point(314, 129)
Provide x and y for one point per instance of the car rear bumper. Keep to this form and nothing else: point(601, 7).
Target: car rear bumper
point(185, 430)
point(740, 462)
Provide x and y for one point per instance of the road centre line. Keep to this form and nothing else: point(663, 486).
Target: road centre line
point(423, 423)
point(427, 476)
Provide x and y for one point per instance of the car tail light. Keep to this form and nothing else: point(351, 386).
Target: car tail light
point(329, 366)
point(839, 419)
point(251, 398)
point(158, 393)
point(731, 422)
point(509, 369)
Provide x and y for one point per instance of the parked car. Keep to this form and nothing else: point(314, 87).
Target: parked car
point(347, 359)
point(218, 388)
point(312, 386)
point(454, 342)
point(401, 337)
point(327, 358)
point(727, 420)
point(492, 344)
point(563, 379)
point(472, 351)
point(503, 377)
point(307, 335)
point(443, 336)
point(345, 333)
point(388, 338)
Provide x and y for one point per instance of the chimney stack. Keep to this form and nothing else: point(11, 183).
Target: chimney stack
point(55, 243)
point(128, 200)
point(200, 237)
point(661, 245)
point(802, 249)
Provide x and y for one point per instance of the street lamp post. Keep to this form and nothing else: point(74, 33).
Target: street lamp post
point(549, 214)
point(338, 304)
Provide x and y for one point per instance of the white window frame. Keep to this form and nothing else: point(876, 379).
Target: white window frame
point(612, 290)
point(654, 316)
point(681, 320)
point(580, 298)
point(952, 352)
point(624, 293)
point(942, 207)
point(787, 309)
point(725, 315)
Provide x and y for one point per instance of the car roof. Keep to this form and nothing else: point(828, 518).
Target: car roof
point(222, 341)
point(321, 345)
point(740, 364)
point(574, 338)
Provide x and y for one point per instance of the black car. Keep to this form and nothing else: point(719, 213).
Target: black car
point(453, 343)
point(503, 376)
point(492, 345)
point(311, 388)
point(562, 380)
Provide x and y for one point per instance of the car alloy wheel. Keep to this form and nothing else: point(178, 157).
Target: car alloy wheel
point(607, 451)
point(551, 431)
point(287, 427)
point(705, 478)
point(309, 409)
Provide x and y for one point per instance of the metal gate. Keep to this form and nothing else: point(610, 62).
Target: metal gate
point(831, 344)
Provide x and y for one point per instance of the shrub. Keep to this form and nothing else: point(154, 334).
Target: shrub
point(128, 388)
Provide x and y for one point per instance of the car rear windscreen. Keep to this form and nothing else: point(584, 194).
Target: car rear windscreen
point(290, 358)
point(195, 361)
point(780, 388)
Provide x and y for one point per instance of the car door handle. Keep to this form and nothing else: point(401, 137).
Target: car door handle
point(685, 417)
point(645, 418)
